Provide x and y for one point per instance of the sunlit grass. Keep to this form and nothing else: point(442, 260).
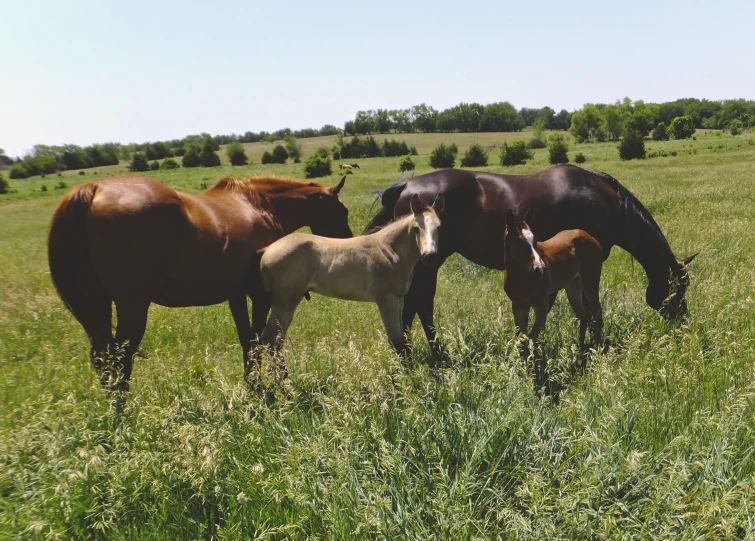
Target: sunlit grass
point(656, 440)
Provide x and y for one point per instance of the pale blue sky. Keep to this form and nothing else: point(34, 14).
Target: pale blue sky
point(83, 72)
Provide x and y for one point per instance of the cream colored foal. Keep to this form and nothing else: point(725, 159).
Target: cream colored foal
point(371, 268)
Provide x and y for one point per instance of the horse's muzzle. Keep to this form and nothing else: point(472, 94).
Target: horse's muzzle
point(536, 273)
point(430, 259)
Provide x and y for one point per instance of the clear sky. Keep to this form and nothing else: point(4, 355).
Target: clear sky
point(83, 72)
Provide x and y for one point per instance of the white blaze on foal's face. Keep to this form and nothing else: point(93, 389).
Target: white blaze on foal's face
point(427, 224)
point(536, 261)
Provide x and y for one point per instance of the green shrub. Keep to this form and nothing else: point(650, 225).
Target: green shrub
point(536, 142)
point(558, 149)
point(43, 188)
point(191, 157)
point(443, 156)
point(82, 173)
point(660, 132)
point(4, 186)
point(169, 163)
point(516, 153)
point(154, 166)
point(266, 158)
point(317, 166)
point(735, 127)
point(47, 165)
point(208, 157)
point(293, 148)
point(336, 153)
point(632, 146)
point(17, 170)
point(413, 151)
point(138, 162)
point(475, 156)
point(323, 152)
point(236, 154)
point(406, 164)
point(682, 127)
point(279, 154)
point(580, 158)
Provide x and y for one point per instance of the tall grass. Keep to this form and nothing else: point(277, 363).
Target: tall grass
point(656, 440)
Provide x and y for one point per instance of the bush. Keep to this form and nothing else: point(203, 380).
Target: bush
point(660, 132)
point(323, 152)
point(516, 153)
point(406, 164)
point(443, 156)
point(17, 170)
point(413, 151)
point(735, 127)
point(236, 154)
point(475, 156)
point(47, 165)
point(279, 155)
point(4, 186)
point(208, 157)
point(82, 173)
point(394, 148)
point(632, 146)
point(336, 154)
point(43, 188)
point(558, 149)
point(293, 148)
point(536, 142)
point(317, 166)
point(191, 157)
point(138, 162)
point(682, 127)
point(580, 158)
point(61, 185)
point(169, 163)
point(154, 166)
point(266, 158)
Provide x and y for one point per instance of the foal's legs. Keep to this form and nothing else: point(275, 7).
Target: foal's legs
point(574, 294)
point(280, 318)
point(240, 312)
point(591, 296)
point(390, 312)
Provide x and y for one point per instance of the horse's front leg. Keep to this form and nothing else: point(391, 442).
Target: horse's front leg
point(274, 333)
point(240, 313)
point(390, 312)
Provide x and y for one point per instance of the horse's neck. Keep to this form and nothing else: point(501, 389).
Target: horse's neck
point(402, 241)
point(289, 212)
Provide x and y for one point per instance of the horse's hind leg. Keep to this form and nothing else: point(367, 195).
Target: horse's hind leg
point(240, 313)
point(590, 281)
point(132, 322)
point(574, 294)
point(420, 299)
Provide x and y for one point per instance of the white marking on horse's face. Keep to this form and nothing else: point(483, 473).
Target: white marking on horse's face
point(530, 238)
point(428, 223)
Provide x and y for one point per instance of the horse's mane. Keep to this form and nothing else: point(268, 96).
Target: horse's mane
point(266, 184)
point(637, 219)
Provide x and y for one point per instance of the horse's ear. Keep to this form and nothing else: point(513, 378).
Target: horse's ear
point(439, 203)
point(511, 223)
point(338, 186)
point(416, 204)
point(687, 260)
point(529, 216)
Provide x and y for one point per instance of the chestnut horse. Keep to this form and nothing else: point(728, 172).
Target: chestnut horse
point(563, 197)
point(133, 241)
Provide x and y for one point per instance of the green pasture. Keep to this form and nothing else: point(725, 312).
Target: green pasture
point(655, 441)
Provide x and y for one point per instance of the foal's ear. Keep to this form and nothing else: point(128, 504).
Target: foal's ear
point(511, 223)
point(687, 260)
point(439, 203)
point(416, 204)
point(337, 187)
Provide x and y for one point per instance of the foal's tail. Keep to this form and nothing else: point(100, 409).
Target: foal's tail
point(70, 264)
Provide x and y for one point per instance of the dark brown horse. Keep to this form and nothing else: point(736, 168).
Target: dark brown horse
point(561, 197)
point(133, 241)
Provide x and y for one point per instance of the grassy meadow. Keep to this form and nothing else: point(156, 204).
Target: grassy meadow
point(655, 441)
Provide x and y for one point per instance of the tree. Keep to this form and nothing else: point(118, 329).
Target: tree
point(632, 146)
point(293, 148)
point(424, 117)
point(208, 158)
point(682, 127)
point(406, 164)
point(169, 163)
point(562, 121)
point(17, 170)
point(4, 186)
point(500, 117)
point(558, 149)
point(735, 127)
point(515, 154)
point(318, 165)
point(660, 133)
point(236, 154)
point(443, 156)
point(329, 129)
point(5, 160)
point(47, 165)
point(191, 157)
point(279, 154)
point(612, 121)
point(266, 158)
point(154, 166)
point(587, 124)
point(475, 156)
point(138, 162)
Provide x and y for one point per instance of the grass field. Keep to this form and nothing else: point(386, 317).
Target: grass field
point(656, 441)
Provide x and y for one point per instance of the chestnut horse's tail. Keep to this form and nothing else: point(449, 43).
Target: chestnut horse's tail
point(71, 267)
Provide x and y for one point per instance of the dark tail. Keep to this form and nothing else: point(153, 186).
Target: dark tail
point(388, 200)
point(71, 267)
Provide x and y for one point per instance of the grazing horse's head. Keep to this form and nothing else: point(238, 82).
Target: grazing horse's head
point(426, 225)
point(520, 247)
point(330, 217)
point(666, 293)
